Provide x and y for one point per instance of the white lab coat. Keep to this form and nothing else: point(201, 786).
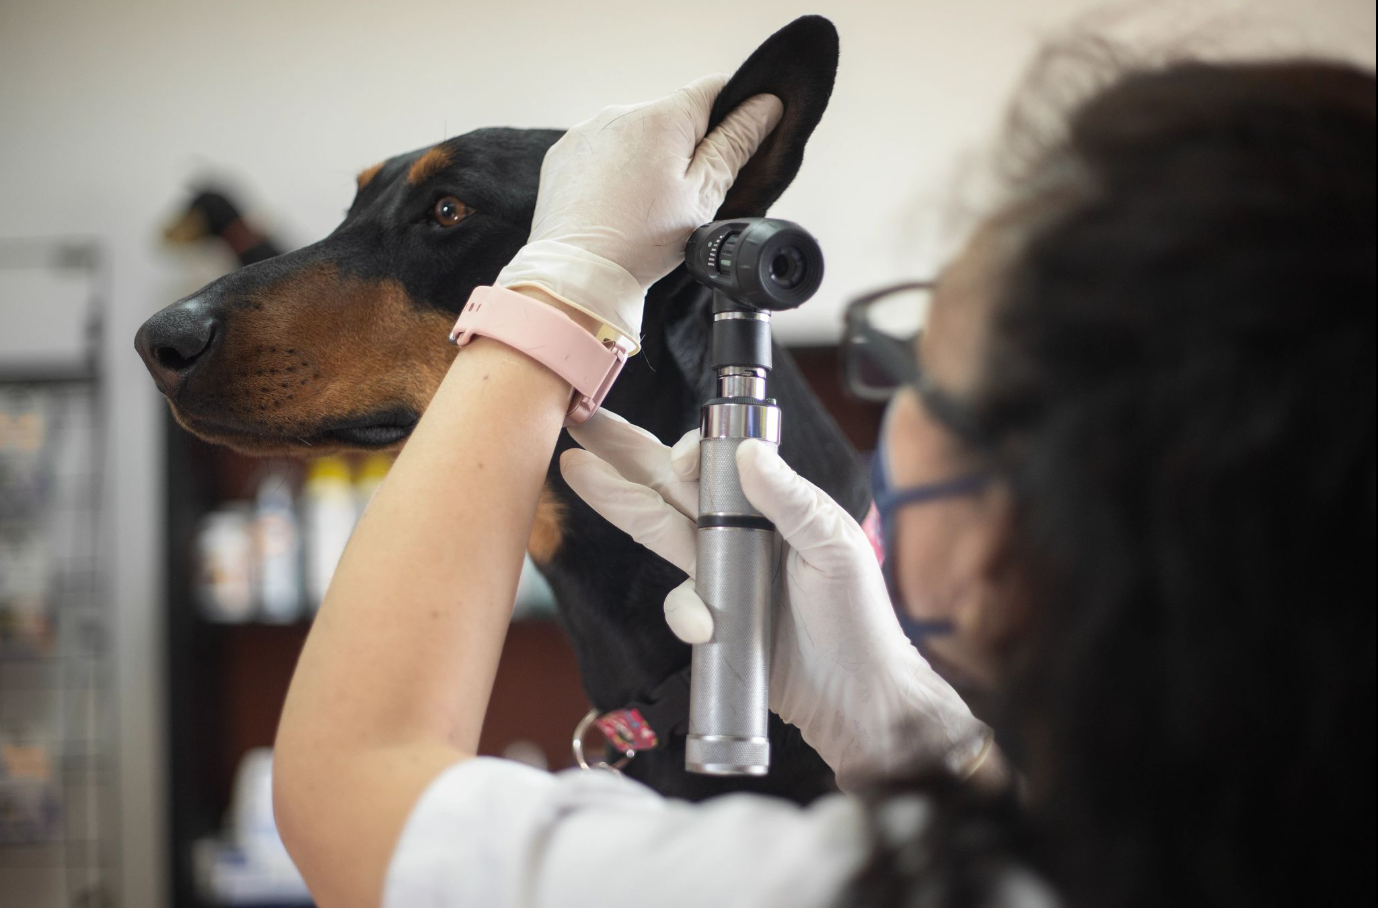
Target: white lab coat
point(491, 833)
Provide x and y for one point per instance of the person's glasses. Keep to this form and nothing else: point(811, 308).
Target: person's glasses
point(878, 343)
point(880, 356)
point(880, 352)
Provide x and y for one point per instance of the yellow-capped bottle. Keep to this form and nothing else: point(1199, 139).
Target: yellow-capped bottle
point(371, 474)
point(328, 517)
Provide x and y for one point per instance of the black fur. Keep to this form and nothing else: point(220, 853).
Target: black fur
point(609, 589)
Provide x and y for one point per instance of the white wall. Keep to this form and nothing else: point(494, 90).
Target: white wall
point(106, 109)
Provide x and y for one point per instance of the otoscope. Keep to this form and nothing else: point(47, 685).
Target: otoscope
point(754, 266)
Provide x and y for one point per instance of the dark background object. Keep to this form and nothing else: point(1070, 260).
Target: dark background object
point(210, 215)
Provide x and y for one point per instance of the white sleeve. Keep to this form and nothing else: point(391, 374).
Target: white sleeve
point(492, 833)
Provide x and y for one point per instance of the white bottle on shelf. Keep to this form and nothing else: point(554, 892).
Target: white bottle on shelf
point(225, 555)
point(279, 549)
point(328, 515)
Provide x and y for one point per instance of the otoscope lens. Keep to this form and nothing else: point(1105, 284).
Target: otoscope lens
point(787, 267)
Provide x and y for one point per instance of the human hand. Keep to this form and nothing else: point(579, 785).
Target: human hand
point(620, 194)
point(841, 669)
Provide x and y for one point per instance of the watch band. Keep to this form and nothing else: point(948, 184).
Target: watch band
point(590, 364)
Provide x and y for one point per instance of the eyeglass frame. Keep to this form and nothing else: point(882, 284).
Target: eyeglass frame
point(898, 358)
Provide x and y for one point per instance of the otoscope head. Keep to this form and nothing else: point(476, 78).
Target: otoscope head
point(762, 263)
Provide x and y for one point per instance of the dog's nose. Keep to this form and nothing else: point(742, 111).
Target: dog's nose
point(175, 340)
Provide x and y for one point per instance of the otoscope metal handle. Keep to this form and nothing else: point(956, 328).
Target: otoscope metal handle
point(729, 696)
point(755, 266)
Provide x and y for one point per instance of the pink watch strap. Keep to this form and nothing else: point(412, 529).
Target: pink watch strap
point(548, 336)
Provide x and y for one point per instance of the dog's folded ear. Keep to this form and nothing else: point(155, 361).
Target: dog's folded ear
point(798, 64)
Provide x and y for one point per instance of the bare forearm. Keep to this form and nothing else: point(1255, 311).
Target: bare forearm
point(411, 627)
point(395, 676)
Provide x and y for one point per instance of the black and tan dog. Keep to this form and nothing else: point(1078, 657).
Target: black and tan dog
point(341, 344)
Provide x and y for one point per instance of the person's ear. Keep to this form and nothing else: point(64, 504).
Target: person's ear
point(987, 612)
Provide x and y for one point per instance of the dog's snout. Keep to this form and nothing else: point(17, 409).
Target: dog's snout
point(175, 340)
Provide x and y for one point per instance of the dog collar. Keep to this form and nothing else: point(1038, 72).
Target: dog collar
point(649, 723)
point(646, 724)
point(590, 364)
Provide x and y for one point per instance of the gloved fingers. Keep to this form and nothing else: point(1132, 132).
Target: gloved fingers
point(639, 457)
point(807, 518)
point(687, 614)
point(628, 447)
point(633, 508)
point(697, 98)
point(725, 151)
point(684, 458)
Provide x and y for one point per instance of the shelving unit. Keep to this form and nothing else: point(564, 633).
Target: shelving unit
point(228, 681)
point(59, 799)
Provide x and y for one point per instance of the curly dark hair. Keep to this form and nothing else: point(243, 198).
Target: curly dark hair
point(1179, 388)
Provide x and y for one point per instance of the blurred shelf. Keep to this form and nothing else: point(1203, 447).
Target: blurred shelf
point(230, 679)
point(58, 733)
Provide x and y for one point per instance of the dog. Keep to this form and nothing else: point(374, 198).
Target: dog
point(341, 344)
point(210, 214)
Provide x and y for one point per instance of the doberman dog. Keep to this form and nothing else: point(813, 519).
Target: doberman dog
point(341, 344)
point(211, 214)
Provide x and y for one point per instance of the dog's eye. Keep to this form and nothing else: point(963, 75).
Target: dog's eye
point(449, 211)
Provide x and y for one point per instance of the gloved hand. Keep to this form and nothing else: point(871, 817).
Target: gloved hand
point(841, 669)
point(621, 193)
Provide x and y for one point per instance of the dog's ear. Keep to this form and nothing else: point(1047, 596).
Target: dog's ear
point(797, 64)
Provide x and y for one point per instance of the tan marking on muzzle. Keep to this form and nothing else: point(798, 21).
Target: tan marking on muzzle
point(317, 348)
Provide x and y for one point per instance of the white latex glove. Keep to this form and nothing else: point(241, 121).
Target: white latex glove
point(621, 193)
point(841, 669)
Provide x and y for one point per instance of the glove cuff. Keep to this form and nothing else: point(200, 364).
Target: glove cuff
point(580, 279)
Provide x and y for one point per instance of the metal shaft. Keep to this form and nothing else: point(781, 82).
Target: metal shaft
point(737, 559)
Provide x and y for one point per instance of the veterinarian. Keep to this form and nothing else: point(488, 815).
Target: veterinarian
point(1128, 484)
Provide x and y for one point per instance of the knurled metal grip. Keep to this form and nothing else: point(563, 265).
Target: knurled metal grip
point(729, 698)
